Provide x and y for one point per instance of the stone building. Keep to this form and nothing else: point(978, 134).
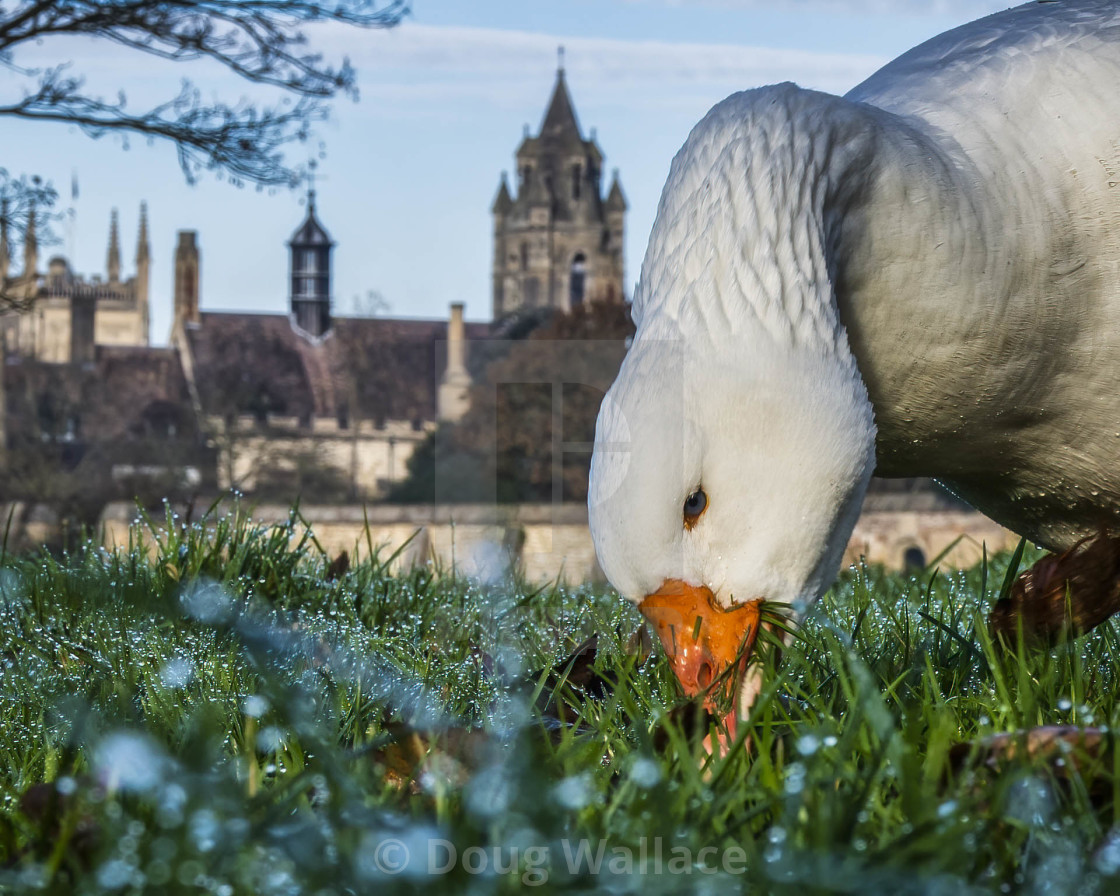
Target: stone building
point(67, 315)
point(304, 403)
point(559, 241)
point(309, 403)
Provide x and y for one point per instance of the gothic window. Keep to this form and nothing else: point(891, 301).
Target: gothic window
point(524, 256)
point(575, 180)
point(526, 171)
point(577, 280)
point(310, 261)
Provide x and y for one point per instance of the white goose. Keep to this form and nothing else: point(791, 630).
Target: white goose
point(921, 278)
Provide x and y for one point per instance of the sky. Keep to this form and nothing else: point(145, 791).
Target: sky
point(409, 171)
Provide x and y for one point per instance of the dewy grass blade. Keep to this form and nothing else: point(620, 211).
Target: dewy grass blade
point(256, 719)
point(1012, 570)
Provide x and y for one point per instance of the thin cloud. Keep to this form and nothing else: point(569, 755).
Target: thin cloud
point(412, 68)
point(970, 9)
point(494, 66)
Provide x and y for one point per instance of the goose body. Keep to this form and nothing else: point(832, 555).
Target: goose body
point(1007, 308)
point(920, 278)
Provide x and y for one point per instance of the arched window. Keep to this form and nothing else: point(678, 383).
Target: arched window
point(913, 559)
point(524, 256)
point(575, 180)
point(577, 280)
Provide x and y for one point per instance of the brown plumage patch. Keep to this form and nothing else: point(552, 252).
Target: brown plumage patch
point(1074, 745)
point(1062, 595)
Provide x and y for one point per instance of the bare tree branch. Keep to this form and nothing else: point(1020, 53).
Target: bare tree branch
point(260, 41)
point(242, 141)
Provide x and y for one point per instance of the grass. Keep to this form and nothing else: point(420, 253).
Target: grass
point(231, 715)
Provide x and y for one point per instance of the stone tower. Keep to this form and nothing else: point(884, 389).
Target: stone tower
point(558, 243)
point(143, 274)
point(186, 279)
point(113, 261)
point(310, 248)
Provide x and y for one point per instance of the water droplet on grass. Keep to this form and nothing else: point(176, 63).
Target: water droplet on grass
point(255, 706)
point(808, 744)
point(206, 601)
point(177, 673)
point(490, 792)
point(795, 778)
point(129, 761)
point(1030, 801)
point(204, 830)
point(271, 739)
point(645, 772)
point(774, 850)
point(115, 874)
point(574, 792)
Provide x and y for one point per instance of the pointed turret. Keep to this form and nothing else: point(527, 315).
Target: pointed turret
point(113, 260)
point(310, 249)
point(502, 202)
point(616, 201)
point(143, 247)
point(615, 214)
point(5, 248)
point(30, 247)
point(186, 281)
point(143, 276)
point(560, 122)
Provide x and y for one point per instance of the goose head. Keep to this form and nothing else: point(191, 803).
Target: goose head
point(725, 475)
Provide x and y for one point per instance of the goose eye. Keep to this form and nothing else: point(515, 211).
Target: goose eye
point(694, 505)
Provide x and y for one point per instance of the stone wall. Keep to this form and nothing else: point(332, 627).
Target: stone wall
point(884, 537)
point(366, 456)
point(553, 542)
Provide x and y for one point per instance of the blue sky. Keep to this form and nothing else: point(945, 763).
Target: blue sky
point(411, 169)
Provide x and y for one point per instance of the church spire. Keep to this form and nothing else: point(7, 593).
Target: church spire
point(113, 262)
point(143, 249)
point(560, 120)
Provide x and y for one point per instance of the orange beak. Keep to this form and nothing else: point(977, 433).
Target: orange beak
point(707, 645)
